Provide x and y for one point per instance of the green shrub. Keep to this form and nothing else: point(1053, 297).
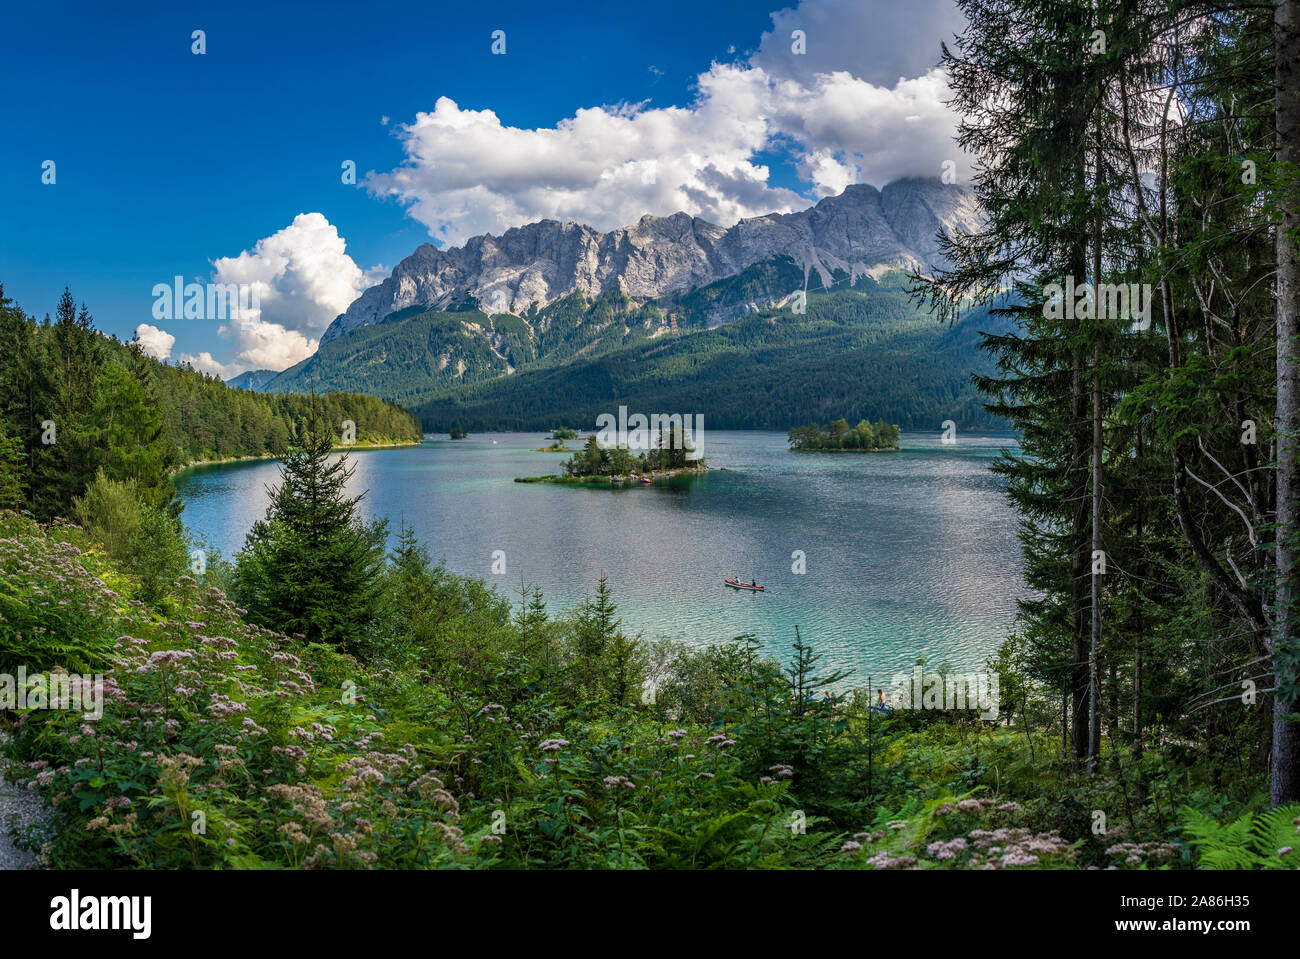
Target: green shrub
point(110, 512)
point(157, 552)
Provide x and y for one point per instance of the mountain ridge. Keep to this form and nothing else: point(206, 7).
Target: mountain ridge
point(862, 231)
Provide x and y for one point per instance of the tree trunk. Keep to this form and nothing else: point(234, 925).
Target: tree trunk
point(1098, 550)
point(1079, 518)
point(1141, 629)
point(1094, 716)
point(1079, 565)
point(1285, 779)
point(1065, 722)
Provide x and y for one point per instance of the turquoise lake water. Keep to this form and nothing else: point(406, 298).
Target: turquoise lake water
point(909, 554)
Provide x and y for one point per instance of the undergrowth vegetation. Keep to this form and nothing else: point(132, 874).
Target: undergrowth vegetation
point(472, 733)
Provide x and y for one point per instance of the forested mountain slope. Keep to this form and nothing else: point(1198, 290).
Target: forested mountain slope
point(74, 402)
point(859, 346)
point(764, 372)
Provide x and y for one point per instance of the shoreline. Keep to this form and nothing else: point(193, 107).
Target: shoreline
point(881, 449)
point(277, 456)
point(621, 479)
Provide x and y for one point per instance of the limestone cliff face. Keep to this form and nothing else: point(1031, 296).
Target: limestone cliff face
point(861, 231)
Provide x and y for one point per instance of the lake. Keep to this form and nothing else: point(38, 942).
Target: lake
point(908, 554)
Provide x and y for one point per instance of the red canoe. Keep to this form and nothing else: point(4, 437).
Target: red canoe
point(735, 585)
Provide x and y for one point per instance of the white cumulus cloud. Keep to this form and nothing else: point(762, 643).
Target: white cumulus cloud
point(466, 172)
point(864, 103)
point(157, 343)
point(205, 362)
point(269, 346)
point(303, 278)
point(851, 131)
point(876, 42)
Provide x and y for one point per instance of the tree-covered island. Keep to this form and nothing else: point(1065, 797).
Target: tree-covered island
point(614, 465)
point(839, 436)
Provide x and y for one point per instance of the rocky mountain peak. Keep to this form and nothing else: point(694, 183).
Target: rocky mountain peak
point(863, 231)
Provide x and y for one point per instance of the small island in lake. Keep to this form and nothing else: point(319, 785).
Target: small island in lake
point(558, 446)
point(595, 465)
point(458, 434)
point(839, 436)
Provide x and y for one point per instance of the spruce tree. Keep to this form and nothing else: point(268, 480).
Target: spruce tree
point(135, 442)
point(312, 566)
point(597, 624)
point(1019, 80)
point(73, 354)
point(532, 622)
point(13, 488)
point(18, 385)
point(1122, 161)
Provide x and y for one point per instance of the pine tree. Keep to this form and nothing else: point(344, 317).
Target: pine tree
point(1018, 75)
point(596, 620)
point(13, 458)
point(532, 621)
point(410, 559)
point(18, 379)
point(597, 623)
point(73, 355)
point(802, 677)
point(136, 444)
point(625, 668)
point(312, 566)
point(1122, 161)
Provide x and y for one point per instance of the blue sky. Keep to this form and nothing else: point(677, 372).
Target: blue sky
point(168, 161)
